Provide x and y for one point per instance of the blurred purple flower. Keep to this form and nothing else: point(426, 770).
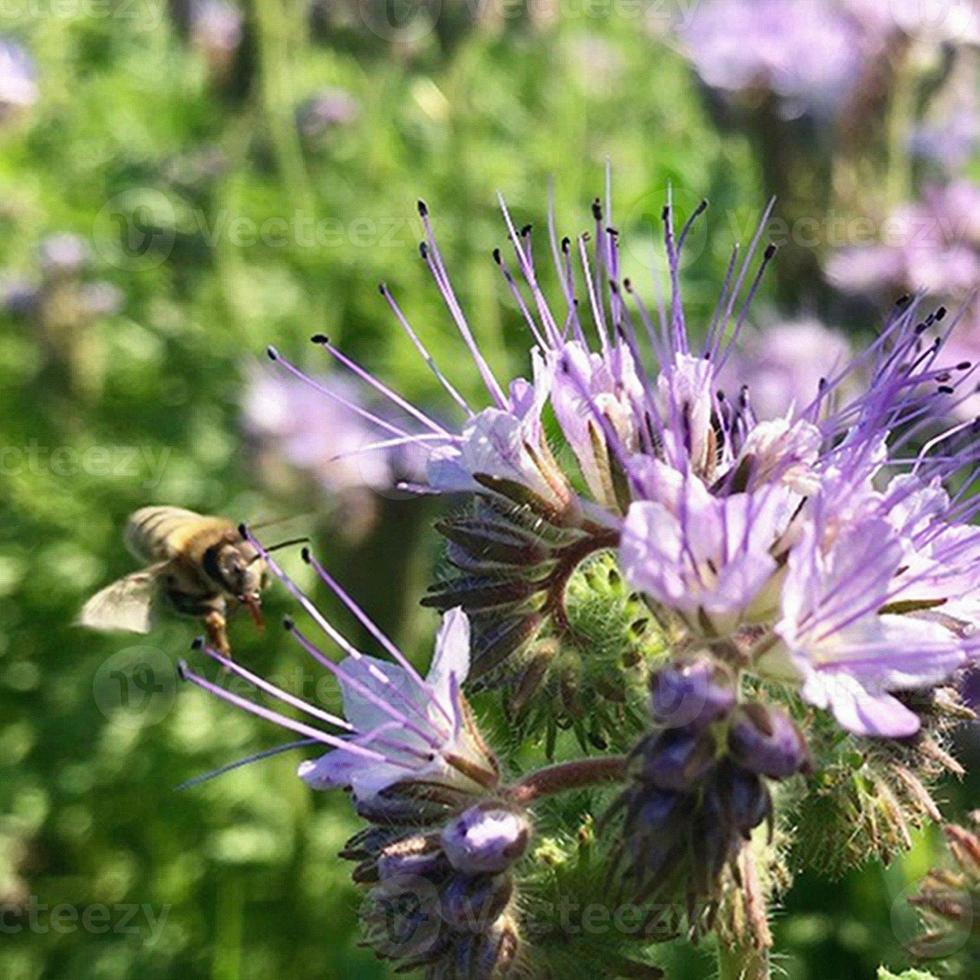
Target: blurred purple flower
point(328, 437)
point(328, 109)
point(18, 79)
point(931, 245)
point(63, 258)
point(216, 30)
point(808, 53)
point(783, 364)
point(18, 297)
point(63, 254)
point(951, 143)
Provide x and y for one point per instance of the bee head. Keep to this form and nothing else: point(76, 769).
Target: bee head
point(239, 570)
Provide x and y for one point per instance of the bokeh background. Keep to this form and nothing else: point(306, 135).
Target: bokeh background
point(185, 183)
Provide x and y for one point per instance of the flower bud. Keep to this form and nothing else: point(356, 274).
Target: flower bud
point(472, 903)
point(678, 759)
point(486, 838)
point(695, 692)
point(418, 856)
point(748, 799)
point(482, 956)
point(766, 741)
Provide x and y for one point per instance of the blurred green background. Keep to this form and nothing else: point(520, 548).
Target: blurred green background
point(221, 211)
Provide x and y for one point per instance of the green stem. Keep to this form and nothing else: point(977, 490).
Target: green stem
point(744, 940)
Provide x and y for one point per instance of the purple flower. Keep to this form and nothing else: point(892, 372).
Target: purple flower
point(740, 527)
point(692, 693)
point(614, 388)
point(706, 557)
point(951, 141)
point(933, 245)
point(486, 838)
point(416, 728)
point(765, 741)
point(216, 28)
point(18, 79)
point(810, 54)
point(783, 363)
point(506, 444)
point(63, 255)
point(849, 651)
point(325, 430)
point(398, 731)
point(328, 109)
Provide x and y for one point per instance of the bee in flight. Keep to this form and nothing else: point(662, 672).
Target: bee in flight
point(199, 565)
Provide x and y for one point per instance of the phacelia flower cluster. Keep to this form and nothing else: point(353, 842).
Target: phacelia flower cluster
point(828, 548)
point(646, 558)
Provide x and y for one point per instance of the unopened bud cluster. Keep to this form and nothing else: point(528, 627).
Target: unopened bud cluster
point(444, 900)
point(698, 785)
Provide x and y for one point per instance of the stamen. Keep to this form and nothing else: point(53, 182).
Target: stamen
point(345, 679)
point(433, 260)
point(450, 389)
point(379, 386)
point(248, 760)
point(265, 713)
point(274, 355)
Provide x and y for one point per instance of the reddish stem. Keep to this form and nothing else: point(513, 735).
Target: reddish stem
point(569, 775)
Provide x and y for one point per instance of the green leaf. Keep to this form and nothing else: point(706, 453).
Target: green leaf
point(885, 974)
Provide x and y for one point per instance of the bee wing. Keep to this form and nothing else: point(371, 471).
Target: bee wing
point(126, 604)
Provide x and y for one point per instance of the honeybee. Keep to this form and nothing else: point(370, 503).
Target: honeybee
point(201, 566)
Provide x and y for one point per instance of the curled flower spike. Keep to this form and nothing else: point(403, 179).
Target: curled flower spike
point(697, 791)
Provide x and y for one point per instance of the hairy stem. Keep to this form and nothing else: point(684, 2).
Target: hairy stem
point(744, 939)
point(569, 775)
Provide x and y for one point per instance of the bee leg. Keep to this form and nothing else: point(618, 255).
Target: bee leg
point(214, 623)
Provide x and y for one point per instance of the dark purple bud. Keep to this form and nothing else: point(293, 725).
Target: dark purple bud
point(766, 741)
point(694, 692)
point(659, 815)
point(749, 800)
point(713, 832)
point(473, 903)
point(486, 838)
point(483, 956)
point(678, 758)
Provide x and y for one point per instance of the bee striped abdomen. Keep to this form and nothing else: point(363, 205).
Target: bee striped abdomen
point(160, 533)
